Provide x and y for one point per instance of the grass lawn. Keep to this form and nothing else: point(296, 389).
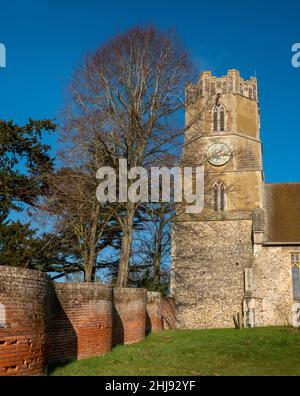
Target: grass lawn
point(258, 351)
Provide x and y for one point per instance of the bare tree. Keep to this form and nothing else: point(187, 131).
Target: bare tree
point(82, 228)
point(126, 101)
point(151, 250)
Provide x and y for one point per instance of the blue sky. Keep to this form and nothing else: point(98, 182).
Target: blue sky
point(46, 39)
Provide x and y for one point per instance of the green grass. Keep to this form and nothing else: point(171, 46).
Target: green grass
point(258, 351)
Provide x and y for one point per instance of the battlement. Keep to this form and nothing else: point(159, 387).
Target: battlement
point(232, 83)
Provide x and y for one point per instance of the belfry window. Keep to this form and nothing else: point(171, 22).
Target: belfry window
point(215, 121)
point(219, 118)
point(219, 197)
point(296, 275)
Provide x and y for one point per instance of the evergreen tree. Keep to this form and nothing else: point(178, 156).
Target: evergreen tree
point(24, 165)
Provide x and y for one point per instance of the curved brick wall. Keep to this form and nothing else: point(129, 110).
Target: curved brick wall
point(154, 320)
point(81, 321)
point(44, 322)
point(23, 317)
point(129, 315)
point(168, 313)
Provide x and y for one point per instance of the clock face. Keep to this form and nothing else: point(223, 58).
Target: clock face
point(218, 154)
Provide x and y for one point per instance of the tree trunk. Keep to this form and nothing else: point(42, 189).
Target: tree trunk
point(158, 253)
point(157, 267)
point(87, 274)
point(90, 270)
point(125, 250)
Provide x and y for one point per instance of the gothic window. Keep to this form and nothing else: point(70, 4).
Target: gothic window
point(2, 316)
point(215, 121)
point(219, 118)
point(222, 197)
point(216, 193)
point(296, 275)
point(219, 197)
point(222, 120)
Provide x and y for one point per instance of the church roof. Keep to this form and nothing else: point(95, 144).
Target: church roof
point(282, 205)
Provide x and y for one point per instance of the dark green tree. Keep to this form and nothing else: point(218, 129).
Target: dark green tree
point(24, 164)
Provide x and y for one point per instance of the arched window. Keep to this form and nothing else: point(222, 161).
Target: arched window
point(2, 316)
point(222, 119)
point(219, 197)
point(216, 193)
point(222, 197)
point(215, 120)
point(219, 118)
point(295, 262)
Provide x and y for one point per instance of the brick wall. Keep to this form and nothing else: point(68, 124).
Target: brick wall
point(24, 299)
point(129, 315)
point(81, 321)
point(154, 320)
point(160, 313)
point(168, 313)
point(42, 322)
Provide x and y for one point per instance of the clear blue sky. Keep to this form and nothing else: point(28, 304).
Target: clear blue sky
point(45, 39)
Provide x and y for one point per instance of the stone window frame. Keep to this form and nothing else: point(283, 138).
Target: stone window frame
point(219, 118)
point(219, 201)
point(295, 274)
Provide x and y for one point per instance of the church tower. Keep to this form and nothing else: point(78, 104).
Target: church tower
point(212, 251)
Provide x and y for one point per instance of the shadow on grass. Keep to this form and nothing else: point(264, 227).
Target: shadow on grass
point(54, 366)
point(258, 351)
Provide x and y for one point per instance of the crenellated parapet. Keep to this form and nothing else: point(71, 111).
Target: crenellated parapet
point(232, 83)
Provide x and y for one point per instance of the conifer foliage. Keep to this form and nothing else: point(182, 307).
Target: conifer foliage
point(24, 164)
